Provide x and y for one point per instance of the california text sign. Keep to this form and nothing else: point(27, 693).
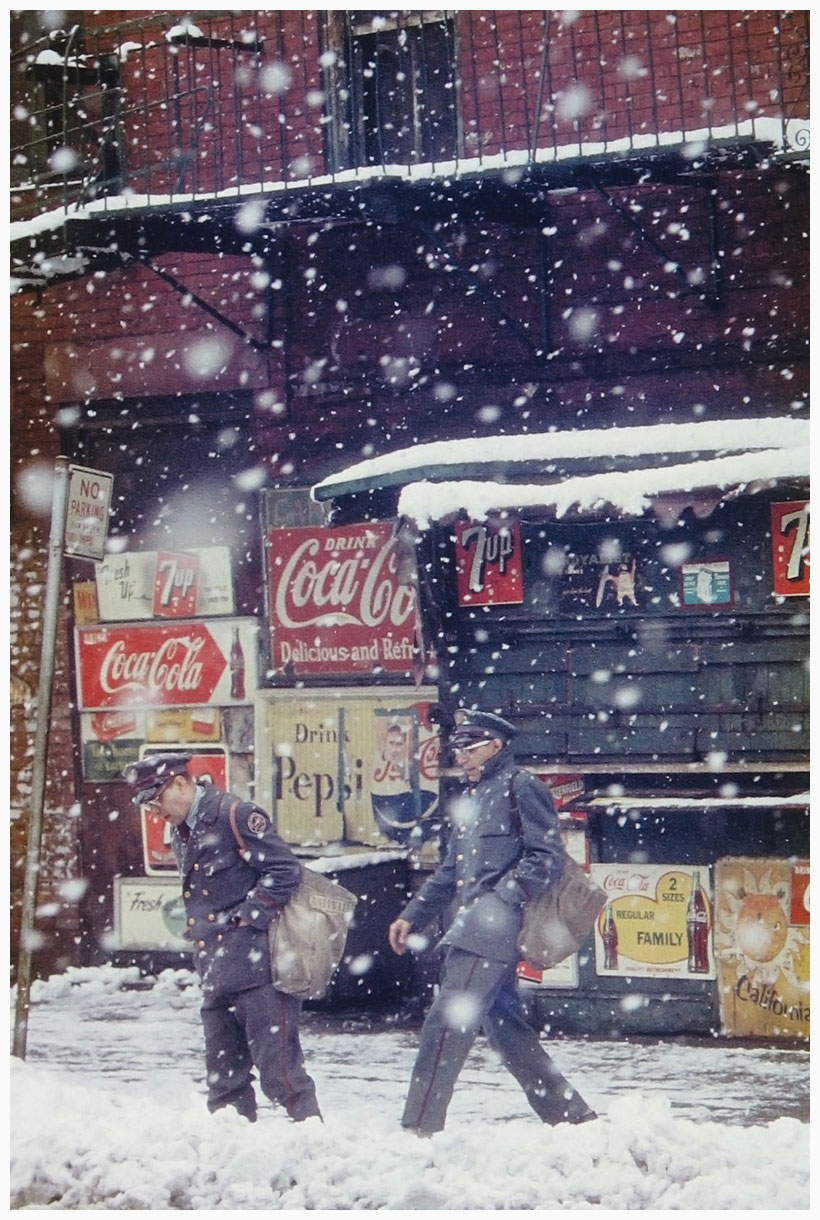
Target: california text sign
point(162, 665)
point(336, 605)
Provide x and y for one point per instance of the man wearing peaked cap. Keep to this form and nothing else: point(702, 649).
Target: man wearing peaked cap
point(503, 849)
point(481, 726)
point(230, 899)
point(149, 775)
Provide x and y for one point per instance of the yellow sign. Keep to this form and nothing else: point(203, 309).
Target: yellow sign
point(762, 947)
point(657, 921)
point(86, 611)
point(183, 724)
point(356, 766)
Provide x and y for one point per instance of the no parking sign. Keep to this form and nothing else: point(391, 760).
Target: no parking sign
point(89, 502)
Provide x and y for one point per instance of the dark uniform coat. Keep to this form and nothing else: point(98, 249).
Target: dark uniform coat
point(220, 888)
point(500, 853)
point(503, 850)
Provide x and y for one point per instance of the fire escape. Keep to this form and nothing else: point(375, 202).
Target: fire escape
point(153, 135)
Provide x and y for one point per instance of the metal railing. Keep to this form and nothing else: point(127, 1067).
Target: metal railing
point(224, 103)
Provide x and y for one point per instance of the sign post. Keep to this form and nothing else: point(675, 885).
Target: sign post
point(79, 522)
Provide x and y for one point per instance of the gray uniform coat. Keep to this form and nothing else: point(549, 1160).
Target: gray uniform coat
point(495, 860)
point(220, 889)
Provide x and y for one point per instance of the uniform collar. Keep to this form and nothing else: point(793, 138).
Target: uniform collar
point(193, 812)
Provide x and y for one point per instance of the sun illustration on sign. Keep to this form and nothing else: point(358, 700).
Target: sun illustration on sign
point(753, 928)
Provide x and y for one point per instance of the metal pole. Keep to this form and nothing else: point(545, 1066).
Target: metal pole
point(38, 780)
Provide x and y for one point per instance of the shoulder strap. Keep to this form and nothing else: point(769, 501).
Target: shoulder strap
point(243, 847)
point(514, 810)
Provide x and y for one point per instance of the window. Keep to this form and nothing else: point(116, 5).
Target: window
point(391, 88)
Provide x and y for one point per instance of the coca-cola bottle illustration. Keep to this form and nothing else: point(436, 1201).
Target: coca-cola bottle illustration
point(697, 929)
point(237, 667)
point(609, 936)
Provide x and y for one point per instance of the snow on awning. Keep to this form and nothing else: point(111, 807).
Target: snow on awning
point(626, 470)
point(798, 800)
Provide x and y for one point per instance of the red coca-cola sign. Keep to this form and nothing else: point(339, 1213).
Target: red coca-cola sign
point(336, 605)
point(167, 665)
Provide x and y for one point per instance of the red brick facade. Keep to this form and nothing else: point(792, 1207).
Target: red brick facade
point(600, 302)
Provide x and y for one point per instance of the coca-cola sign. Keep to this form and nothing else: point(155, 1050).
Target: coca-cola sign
point(336, 605)
point(169, 665)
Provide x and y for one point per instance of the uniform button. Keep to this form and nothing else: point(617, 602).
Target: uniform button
point(204, 893)
point(191, 922)
point(459, 883)
point(212, 916)
point(201, 944)
point(219, 936)
point(460, 856)
point(187, 894)
point(196, 868)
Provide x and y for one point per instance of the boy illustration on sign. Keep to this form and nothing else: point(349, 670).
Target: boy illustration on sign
point(403, 810)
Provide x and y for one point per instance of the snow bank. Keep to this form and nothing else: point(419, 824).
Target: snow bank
point(109, 1113)
point(84, 1146)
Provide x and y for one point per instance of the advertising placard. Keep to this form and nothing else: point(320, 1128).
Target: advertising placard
point(790, 548)
point(488, 564)
point(336, 606)
point(135, 665)
point(762, 946)
point(137, 585)
point(86, 609)
point(657, 921)
point(707, 583)
point(189, 724)
point(176, 585)
point(149, 914)
point(355, 765)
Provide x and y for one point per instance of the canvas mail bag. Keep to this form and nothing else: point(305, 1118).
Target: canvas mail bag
point(307, 938)
point(557, 924)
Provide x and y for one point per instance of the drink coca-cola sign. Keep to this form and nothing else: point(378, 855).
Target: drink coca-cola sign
point(164, 665)
point(336, 605)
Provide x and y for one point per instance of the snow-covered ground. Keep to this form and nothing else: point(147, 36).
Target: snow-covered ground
point(108, 1113)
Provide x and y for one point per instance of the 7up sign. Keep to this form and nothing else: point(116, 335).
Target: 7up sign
point(89, 502)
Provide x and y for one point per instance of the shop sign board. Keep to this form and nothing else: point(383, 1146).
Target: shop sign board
point(790, 548)
point(657, 922)
point(135, 666)
point(194, 583)
point(112, 740)
point(210, 765)
point(89, 503)
point(707, 582)
point(762, 946)
point(352, 765)
point(149, 913)
point(86, 609)
point(488, 564)
point(176, 585)
point(564, 788)
point(335, 602)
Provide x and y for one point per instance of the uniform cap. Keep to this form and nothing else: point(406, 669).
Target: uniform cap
point(148, 775)
point(472, 727)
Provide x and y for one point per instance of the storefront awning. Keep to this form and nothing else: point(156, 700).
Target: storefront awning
point(660, 467)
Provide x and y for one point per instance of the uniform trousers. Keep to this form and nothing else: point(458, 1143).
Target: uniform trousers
point(256, 1028)
point(478, 994)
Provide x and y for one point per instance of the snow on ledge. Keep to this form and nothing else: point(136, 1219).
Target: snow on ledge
point(627, 492)
point(694, 143)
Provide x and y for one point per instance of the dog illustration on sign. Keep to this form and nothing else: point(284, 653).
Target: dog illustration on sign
point(622, 581)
